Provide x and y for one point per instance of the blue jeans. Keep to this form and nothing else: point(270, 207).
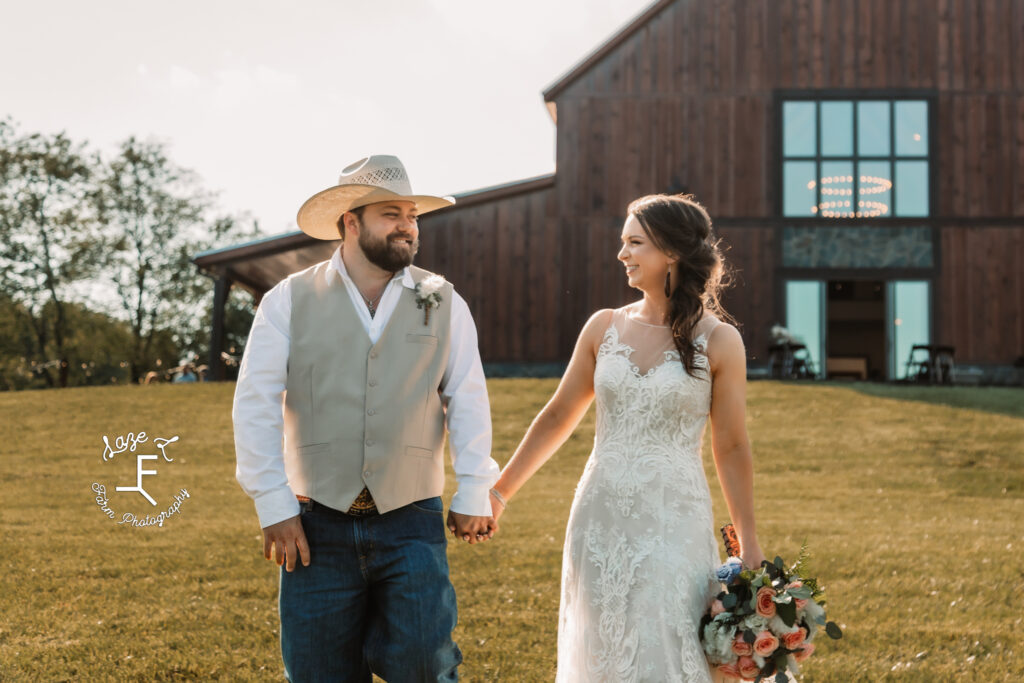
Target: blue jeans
point(375, 598)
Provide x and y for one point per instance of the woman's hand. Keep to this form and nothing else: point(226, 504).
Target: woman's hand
point(752, 557)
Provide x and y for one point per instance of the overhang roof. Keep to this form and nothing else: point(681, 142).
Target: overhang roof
point(260, 264)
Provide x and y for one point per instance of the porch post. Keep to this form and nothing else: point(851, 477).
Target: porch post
point(221, 288)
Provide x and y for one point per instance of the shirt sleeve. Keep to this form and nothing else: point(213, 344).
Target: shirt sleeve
point(468, 416)
point(257, 412)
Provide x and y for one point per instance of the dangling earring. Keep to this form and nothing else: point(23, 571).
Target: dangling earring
point(668, 283)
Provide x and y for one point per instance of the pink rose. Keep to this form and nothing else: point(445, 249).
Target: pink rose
point(729, 670)
point(748, 667)
point(742, 647)
point(717, 608)
point(806, 651)
point(765, 605)
point(765, 643)
point(793, 640)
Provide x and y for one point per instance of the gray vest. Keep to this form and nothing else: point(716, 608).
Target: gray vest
point(359, 414)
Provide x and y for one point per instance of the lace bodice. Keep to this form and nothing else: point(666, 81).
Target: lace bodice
point(638, 568)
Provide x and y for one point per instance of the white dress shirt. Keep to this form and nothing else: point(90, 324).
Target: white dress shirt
point(259, 399)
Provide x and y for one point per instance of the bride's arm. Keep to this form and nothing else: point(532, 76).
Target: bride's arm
point(733, 459)
point(557, 420)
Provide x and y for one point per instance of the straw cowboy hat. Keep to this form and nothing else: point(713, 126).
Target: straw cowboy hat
point(378, 178)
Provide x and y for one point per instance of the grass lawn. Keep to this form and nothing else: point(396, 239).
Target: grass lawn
point(912, 501)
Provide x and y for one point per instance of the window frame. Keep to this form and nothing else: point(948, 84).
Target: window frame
point(781, 97)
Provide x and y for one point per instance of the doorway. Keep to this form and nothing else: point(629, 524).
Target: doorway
point(859, 329)
point(855, 331)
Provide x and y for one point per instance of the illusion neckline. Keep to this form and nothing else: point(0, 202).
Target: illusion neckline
point(639, 322)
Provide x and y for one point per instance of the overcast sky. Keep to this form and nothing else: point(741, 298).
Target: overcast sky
point(268, 101)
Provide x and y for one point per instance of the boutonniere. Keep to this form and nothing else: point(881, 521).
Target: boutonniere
point(428, 295)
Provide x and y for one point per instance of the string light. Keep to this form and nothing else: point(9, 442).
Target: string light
point(869, 185)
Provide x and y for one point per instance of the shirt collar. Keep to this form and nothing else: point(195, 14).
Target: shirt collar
point(338, 269)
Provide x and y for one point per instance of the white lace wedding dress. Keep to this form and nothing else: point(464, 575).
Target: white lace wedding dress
point(640, 548)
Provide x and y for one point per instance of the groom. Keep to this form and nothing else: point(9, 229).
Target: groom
point(374, 358)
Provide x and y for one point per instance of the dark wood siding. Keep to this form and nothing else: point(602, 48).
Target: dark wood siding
point(981, 292)
point(503, 258)
point(686, 101)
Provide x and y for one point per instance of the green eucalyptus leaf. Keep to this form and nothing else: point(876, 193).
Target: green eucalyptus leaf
point(787, 612)
point(803, 592)
point(833, 630)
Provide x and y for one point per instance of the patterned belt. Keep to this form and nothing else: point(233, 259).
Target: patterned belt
point(362, 506)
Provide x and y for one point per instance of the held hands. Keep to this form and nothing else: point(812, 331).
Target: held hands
point(289, 542)
point(473, 529)
point(470, 528)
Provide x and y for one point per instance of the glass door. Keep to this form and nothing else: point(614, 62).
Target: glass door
point(805, 319)
point(908, 304)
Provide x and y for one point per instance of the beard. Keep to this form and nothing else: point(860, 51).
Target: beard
point(386, 253)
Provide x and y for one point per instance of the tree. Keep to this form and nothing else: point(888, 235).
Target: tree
point(157, 218)
point(47, 236)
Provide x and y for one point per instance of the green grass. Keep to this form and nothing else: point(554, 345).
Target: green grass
point(912, 507)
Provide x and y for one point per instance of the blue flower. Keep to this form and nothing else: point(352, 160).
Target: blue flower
point(730, 570)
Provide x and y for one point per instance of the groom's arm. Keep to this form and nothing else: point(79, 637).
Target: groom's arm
point(468, 418)
point(258, 425)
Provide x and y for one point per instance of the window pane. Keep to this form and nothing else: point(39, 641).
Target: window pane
point(911, 128)
point(798, 121)
point(805, 317)
point(837, 189)
point(875, 189)
point(837, 129)
point(909, 318)
point(798, 188)
point(873, 128)
point(911, 188)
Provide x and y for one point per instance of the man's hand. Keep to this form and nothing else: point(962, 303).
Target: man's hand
point(470, 528)
point(289, 541)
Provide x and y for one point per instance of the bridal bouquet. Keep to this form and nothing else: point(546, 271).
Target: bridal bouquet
point(765, 621)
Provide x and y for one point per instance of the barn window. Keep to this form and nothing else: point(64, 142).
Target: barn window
point(855, 158)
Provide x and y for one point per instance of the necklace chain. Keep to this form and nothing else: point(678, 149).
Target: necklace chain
point(371, 305)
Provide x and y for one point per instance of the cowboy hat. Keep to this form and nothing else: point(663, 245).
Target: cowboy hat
point(377, 178)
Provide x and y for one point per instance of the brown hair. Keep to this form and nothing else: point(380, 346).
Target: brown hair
point(358, 211)
point(679, 226)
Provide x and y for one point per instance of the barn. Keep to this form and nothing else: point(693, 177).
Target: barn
point(862, 161)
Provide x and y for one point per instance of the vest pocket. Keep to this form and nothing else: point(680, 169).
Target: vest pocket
point(419, 452)
point(421, 339)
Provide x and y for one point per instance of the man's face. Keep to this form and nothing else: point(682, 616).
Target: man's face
point(389, 234)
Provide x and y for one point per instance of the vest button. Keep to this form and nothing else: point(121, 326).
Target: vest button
point(367, 474)
point(371, 411)
point(373, 382)
point(369, 442)
point(373, 354)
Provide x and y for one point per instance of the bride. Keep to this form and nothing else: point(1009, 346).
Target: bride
point(640, 547)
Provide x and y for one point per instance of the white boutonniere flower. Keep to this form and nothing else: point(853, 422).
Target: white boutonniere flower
point(428, 295)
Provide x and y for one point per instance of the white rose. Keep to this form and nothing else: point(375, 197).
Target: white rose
point(431, 284)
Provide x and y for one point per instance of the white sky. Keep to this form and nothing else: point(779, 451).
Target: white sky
point(268, 101)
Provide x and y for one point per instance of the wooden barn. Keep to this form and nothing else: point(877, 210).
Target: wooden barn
point(862, 160)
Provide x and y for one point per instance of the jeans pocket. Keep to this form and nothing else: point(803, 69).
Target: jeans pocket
point(431, 505)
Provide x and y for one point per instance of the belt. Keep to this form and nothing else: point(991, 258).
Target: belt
point(362, 506)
